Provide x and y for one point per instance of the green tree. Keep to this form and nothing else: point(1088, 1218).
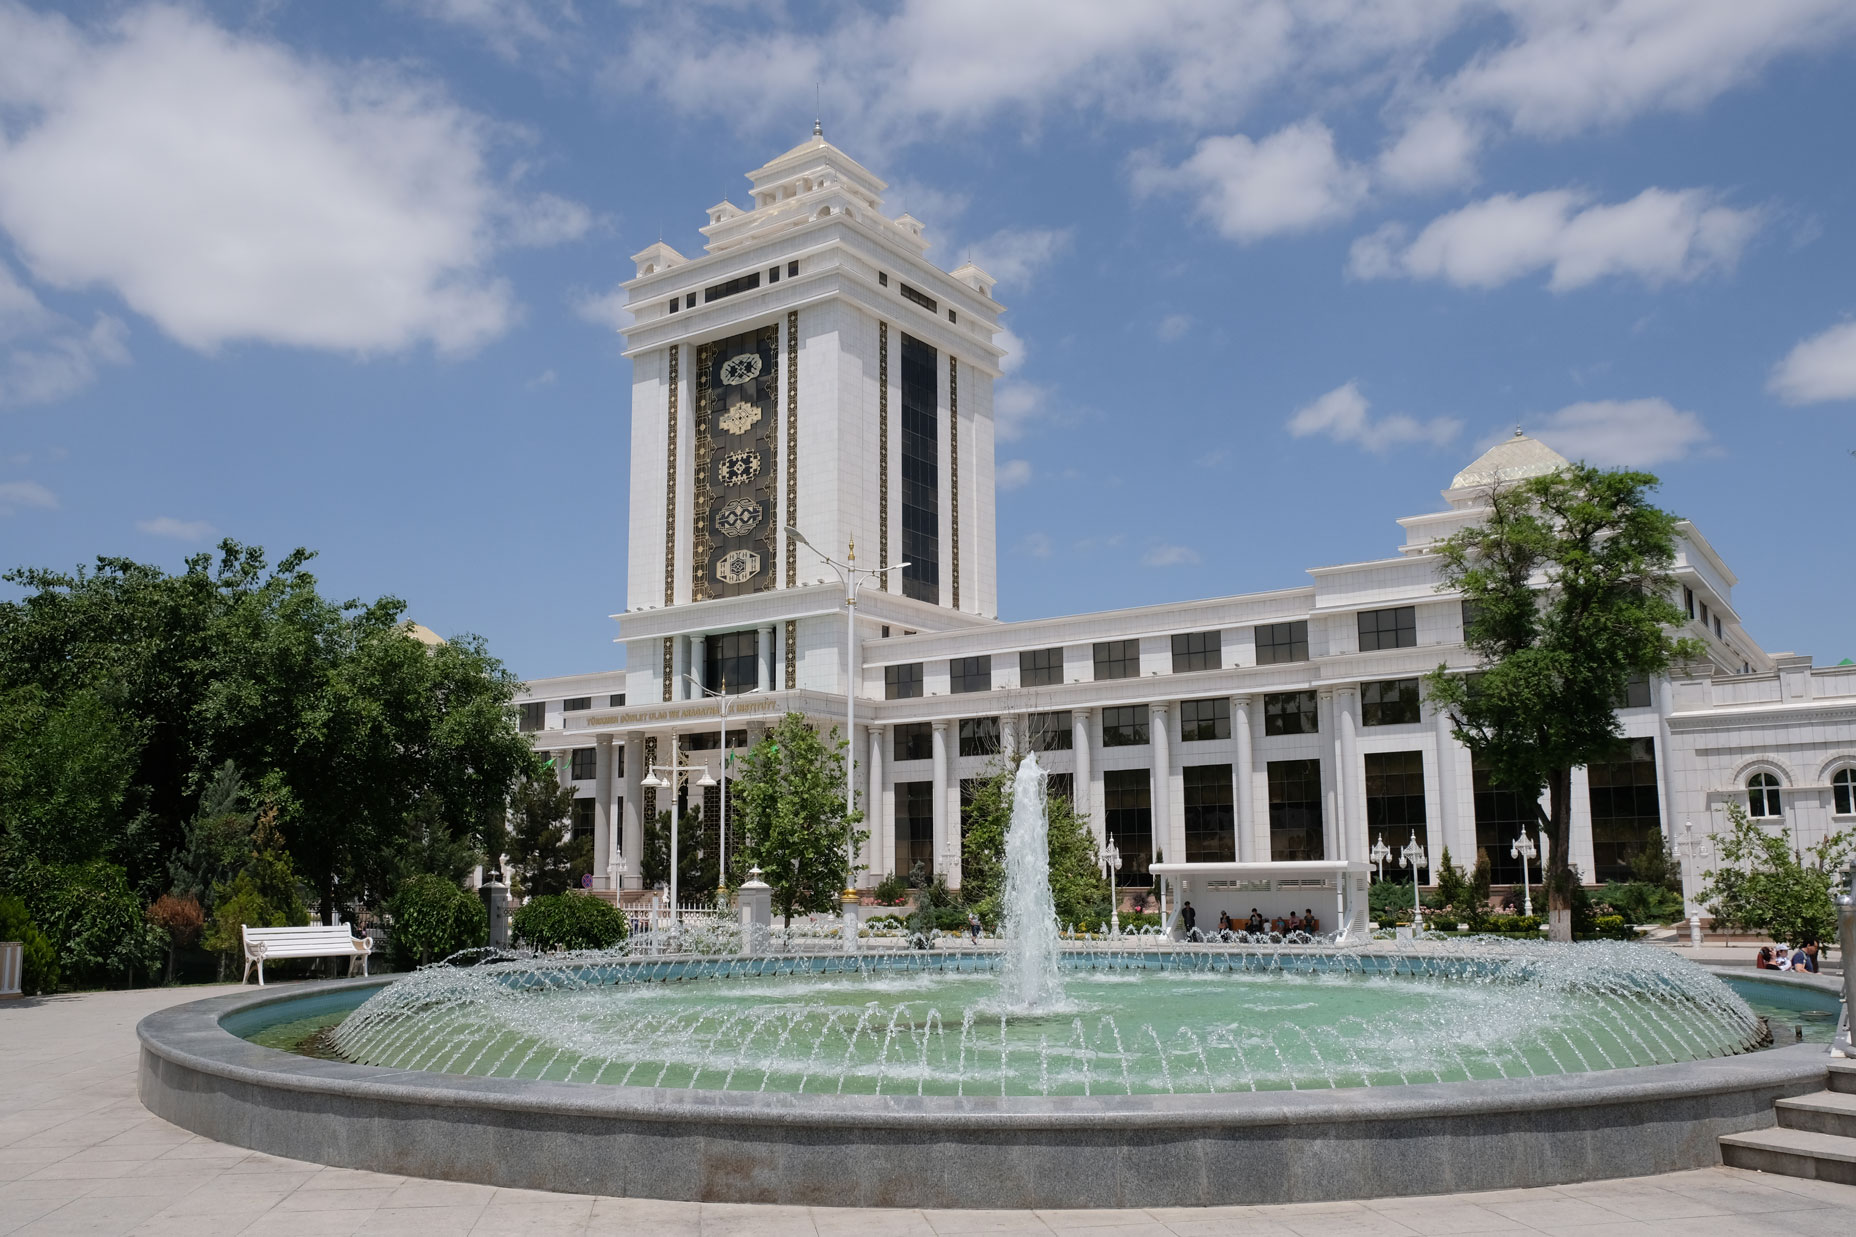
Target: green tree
point(217, 843)
point(697, 870)
point(95, 920)
point(1452, 884)
point(1763, 885)
point(263, 894)
point(540, 852)
point(40, 960)
point(434, 918)
point(1077, 885)
point(788, 803)
point(1567, 596)
point(64, 770)
point(569, 921)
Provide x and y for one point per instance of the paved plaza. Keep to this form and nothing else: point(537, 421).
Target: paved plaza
point(79, 1154)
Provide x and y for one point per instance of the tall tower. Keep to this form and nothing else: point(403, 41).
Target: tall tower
point(811, 369)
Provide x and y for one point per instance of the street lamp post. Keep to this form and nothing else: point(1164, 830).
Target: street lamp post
point(853, 578)
point(654, 778)
point(722, 699)
point(1690, 849)
point(1379, 854)
point(1523, 849)
point(1412, 855)
point(1111, 864)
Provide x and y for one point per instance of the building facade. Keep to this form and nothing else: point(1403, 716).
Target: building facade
point(812, 371)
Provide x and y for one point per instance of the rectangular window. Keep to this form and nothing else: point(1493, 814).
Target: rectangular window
point(1636, 693)
point(1688, 601)
point(773, 274)
point(1390, 702)
point(902, 682)
point(532, 715)
point(1626, 815)
point(582, 826)
point(1471, 611)
point(1395, 799)
point(921, 472)
point(1049, 732)
point(1396, 628)
point(1295, 811)
point(740, 283)
point(951, 318)
point(914, 741)
point(1501, 817)
point(675, 304)
point(925, 301)
point(689, 302)
point(882, 279)
point(1201, 721)
point(1125, 726)
point(731, 662)
point(585, 764)
point(616, 700)
point(1196, 650)
point(1060, 786)
point(1280, 642)
point(792, 270)
point(970, 674)
point(574, 704)
point(1118, 659)
point(914, 827)
point(1128, 819)
point(1717, 628)
point(1704, 615)
point(979, 736)
point(1291, 713)
point(1211, 834)
point(1040, 667)
point(709, 740)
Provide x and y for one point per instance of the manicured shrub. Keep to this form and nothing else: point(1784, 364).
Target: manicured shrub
point(433, 918)
point(180, 920)
point(569, 921)
point(96, 923)
point(40, 971)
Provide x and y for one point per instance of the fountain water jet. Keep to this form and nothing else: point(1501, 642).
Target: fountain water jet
point(1029, 978)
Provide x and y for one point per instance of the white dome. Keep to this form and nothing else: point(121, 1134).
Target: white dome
point(1512, 459)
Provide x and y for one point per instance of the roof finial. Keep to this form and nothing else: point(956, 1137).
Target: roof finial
point(1518, 433)
point(818, 130)
point(818, 109)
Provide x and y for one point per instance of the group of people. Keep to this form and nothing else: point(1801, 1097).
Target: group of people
point(1257, 924)
point(1803, 958)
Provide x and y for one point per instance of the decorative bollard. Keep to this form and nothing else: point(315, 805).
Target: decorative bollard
point(755, 902)
point(849, 900)
point(495, 897)
point(1846, 947)
point(12, 969)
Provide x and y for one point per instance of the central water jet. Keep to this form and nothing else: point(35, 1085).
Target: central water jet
point(1029, 978)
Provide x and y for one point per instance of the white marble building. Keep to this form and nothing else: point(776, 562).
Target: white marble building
point(812, 370)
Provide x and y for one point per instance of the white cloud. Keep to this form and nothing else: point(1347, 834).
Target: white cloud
point(1290, 181)
point(508, 27)
point(1014, 255)
point(1341, 415)
point(1169, 556)
point(180, 530)
point(1036, 545)
point(1622, 433)
point(1015, 405)
point(1015, 351)
point(1013, 474)
point(44, 356)
point(1172, 327)
point(1436, 151)
point(1659, 236)
point(1818, 369)
point(230, 189)
point(606, 308)
point(17, 494)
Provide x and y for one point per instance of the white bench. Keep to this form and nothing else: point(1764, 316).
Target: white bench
point(313, 941)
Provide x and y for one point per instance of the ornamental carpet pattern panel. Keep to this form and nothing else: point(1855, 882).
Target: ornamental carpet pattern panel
point(737, 389)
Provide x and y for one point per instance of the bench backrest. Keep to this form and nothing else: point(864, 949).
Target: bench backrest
point(307, 942)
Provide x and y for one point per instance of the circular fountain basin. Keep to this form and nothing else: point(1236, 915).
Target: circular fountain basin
point(746, 1120)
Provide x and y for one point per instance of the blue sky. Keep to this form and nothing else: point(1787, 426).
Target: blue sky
point(342, 276)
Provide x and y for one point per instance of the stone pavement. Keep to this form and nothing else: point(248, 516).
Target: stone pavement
point(79, 1154)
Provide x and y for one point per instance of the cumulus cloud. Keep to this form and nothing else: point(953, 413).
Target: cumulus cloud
point(1435, 151)
point(1341, 415)
point(180, 530)
point(44, 356)
point(1014, 255)
point(1015, 352)
point(1035, 545)
point(1012, 474)
point(1164, 555)
point(1634, 433)
point(510, 28)
point(1819, 369)
point(1291, 181)
point(1172, 327)
point(229, 189)
point(1016, 405)
point(15, 495)
point(606, 308)
point(1659, 236)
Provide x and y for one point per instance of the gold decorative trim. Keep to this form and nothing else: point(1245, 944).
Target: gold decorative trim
point(882, 446)
point(792, 458)
point(670, 494)
point(792, 655)
point(670, 665)
point(953, 466)
point(649, 815)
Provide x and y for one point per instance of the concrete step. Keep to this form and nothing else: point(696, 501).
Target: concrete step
point(1827, 1112)
point(1843, 1076)
point(1792, 1153)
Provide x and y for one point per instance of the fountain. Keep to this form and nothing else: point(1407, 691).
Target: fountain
point(1029, 979)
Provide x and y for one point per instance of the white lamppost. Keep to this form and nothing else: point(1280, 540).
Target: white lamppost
point(722, 700)
point(1111, 864)
point(1523, 849)
point(1412, 856)
point(1379, 854)
point(1692, 849)
point(853, 578)
point(616, 868)
point(655, 778)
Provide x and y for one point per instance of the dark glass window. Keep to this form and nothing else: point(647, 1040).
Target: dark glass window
point(1211, 835)
point(914, 826)
point(1060, 786)
point(792, 269)
point(1295, 810)
point(1196, 650)
point(1762, 795)
point(582, 819)
point(1395, 799)
point(1843, 792)
point(1626, 814)
point(914, 741)
point(1688, 601)
point(1201, 721)
point(952, 318)
point(731, 662)
point(740, 283)
point(902, 682)
point(773, 274)
point(616, 700)
point(1125, 726)
point(882, 279)
point(979, 736)
point(1049, 732)
point(1291, 713)
point(1118, 659)
point(1128, 819)
point(1280, 642)
point(532, 715)
point(921, 472)
point(925, 301)
point(1471, 611)
point(1704, 615)
point(1501, 817)
point(709, 740)
point(575, 703)
point(689, 302)
point(1717, 627)
point(675, 304)
point(1390, 702)
point(1040, 667)
point(585, 764)
point(1636, 693)
point(1396, 628)
point(970, 674)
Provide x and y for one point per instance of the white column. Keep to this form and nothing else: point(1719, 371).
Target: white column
point(1168, 840)
point(1352, 821)
point(881, 846)
point(1450, 830)
point(679, 666)
point(564, 766)
point(1244, 775)
point(1008, 733)
point(1085, 801)
point(631, 843)
point(698, 667)
point(1330, 768)
point(603, 838)
point(763, 669)
point(940, 794)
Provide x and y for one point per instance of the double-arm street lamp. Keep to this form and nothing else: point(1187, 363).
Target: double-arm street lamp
point(1111, 864)
point(1412, 856)
point(722, 699)
point(660, 776)
point(1692, 850)
point(853, 578)
point(1379, 854)
point(1524, 850)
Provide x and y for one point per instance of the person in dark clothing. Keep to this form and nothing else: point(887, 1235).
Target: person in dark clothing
point(1188, 918)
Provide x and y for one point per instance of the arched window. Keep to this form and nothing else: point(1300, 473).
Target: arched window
point(1843, 791)
point(1762, 795)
